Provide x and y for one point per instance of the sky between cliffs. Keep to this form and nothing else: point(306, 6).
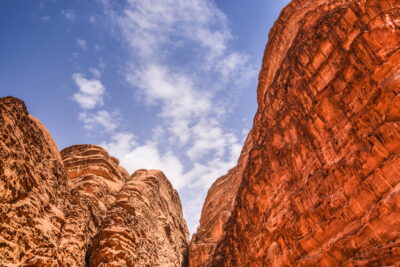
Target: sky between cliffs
point(161, 84)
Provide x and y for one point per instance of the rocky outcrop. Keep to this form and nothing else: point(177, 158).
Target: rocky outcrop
point(144, 226)
point(33, 189)
point(80, 208)
point(94, 178)
point(216, 210)
point(321, 186)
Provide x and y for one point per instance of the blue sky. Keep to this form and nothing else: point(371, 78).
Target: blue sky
point(163, 84)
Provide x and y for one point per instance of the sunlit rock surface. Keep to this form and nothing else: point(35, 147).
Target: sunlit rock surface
point(94, 178)
point(33, 189)
point(144, 226)
point(321, 183)
point(80, 208)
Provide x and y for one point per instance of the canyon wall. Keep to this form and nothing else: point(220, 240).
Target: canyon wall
point(33, 189)
point(321, 184)
point(80, 208)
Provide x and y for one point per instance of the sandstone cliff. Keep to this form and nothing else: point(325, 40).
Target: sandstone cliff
point(94, 179)
point(31, 210)
point(144, 226)
point(80, 208)
point(321, 186)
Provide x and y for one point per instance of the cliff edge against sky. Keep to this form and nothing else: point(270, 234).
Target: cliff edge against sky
point(80, 208)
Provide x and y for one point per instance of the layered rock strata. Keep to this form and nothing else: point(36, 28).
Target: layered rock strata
point(144, 226)
point(61, 209)
point(321, 186)
point(94, 178)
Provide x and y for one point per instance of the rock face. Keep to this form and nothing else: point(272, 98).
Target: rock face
point(321, 186)
point(94, 178)
point(31, 209)
point(144, 226)
point(80, 208)
point(216, 210)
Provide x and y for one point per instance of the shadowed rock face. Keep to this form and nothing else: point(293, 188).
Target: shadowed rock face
point(61, 210)
point(321, 186)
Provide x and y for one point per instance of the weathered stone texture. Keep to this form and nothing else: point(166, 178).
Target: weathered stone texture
point(80, 208)
point(321, 186)
point(31, 211)
point(144, 226)
point(216, 210)
point(94, 178)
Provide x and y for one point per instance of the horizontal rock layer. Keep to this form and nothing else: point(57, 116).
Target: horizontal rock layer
point(144, 226)
point(94, 178)
point(321, 186)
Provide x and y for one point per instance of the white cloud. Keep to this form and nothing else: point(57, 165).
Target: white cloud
point(102, 119)
point(209, 137)
point(181, 59)
point(181, 103)
point(134, 156)
point(148, 25)
point(91, 92)
point(68, 14)
point(46, 18)
point(81, 43)
point(95, 72)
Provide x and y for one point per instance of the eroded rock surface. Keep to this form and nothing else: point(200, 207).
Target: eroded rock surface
point(94, 178)
point(80, 208)
point(144, 226)
point(321, 186)
point(31, 209)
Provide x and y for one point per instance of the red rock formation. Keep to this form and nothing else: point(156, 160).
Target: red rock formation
point(31, 210)
point(60, 211)
point(321, 186)
point(94, 178)
point(216, 210)
point(144, 227)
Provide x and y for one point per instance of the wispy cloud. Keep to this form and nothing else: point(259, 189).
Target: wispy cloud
point(91, 92)
point(180, 60)
point(68, 14)
point(134, 156)
point(100, 120)
point(90, 97)
point(180, 102)
point(46, 18)
point(95, 72)
point(81, 43)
